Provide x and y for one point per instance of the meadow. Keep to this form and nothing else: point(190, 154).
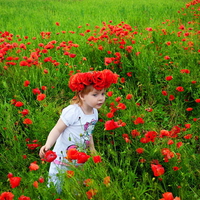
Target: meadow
point(147, 136)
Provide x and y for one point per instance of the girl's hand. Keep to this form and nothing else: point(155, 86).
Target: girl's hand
point(43, 150)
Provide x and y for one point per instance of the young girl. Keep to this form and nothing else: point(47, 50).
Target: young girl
point(76, 123)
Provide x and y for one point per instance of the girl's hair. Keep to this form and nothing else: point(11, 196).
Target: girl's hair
point(76, 99)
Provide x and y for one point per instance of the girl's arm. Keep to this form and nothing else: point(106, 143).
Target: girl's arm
point(53, 136)
point(91, 146)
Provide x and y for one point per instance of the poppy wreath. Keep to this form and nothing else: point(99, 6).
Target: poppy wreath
point(98, 79)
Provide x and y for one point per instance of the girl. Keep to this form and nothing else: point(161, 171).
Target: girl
point(76, 123)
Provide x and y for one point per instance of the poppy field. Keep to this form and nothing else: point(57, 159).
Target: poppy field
point(148, 134)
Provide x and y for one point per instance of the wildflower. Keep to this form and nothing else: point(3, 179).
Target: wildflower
point(14, 182)
point(110, 114)
point(171, 97)
point(197, 100)
point(27, 121)
point(149, 109)
point(72, 154)
point(7, 196)
point(187, 126)
point(166, 57)
point(180, 89)
point(164, 93)
point(97, 159)
point(10, 175)
point(25, 112)
point(24, 198)
point(169, 196)
point(168, 78)
point(41, 97)
point(187, 71)
point(70, 173)
point(35, 184)
point(57, 24)
point(110, 93)
point(50, 156)
point(140, 150)
point(121, 106)
point(111, 125)
point(82, 157)
point(168, 43)
point(170, 142)
point(158, 169)
point(90, 193)
point(179, 144)
point(88, 182)
point(135, 133)
point(33, 166)
point(19, 104)
point(189, 109)
point(188, 136)
point(129, 96)
point(118, 99)
point(149, 29)
point(36, 91)
point(32, 146)
point(139, 120)
point(26, 83)
point(106, 181)
point(41, 180)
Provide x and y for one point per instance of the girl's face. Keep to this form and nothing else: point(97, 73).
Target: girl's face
point(93, 99)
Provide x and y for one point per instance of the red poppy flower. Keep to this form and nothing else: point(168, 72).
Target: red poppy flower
point(189, 109)
point(33, 166)
point(158, 170)
point(14, 182)
point(164, 93)
point(180, 89)
point(91, 193)
point(7, 196)
point(24, 198)
point(32, 146)
point(110, 93)
point(70, 173)
point(25, 112)
point(187, 71)
point(171, 97)
point(88, 182)
point(168, 78)
point(41, 97)
point(50, 156)
point(135, 133)
point(19, 104)
point(36, 91)
point(72, 154)
point(26, 83)
point(41, 180)
point(179, 144)
point(35, 184)
point(166, 57)
point(82, 157)
point(97, 159)
point(139, 120)
point(27, 121)
point(106, 180)
point(140, 150)
point(111, 125)
point(121, 106)
point(197, 100)
point(110, 114)
point(129, 96)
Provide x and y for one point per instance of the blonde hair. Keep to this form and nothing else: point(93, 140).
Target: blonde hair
point(76, 99)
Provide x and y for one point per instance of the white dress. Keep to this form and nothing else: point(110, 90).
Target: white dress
point(77, 134)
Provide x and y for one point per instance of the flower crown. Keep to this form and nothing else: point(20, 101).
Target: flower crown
point(98, 79)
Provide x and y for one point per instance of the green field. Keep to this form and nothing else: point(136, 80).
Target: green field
point(154, 48)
